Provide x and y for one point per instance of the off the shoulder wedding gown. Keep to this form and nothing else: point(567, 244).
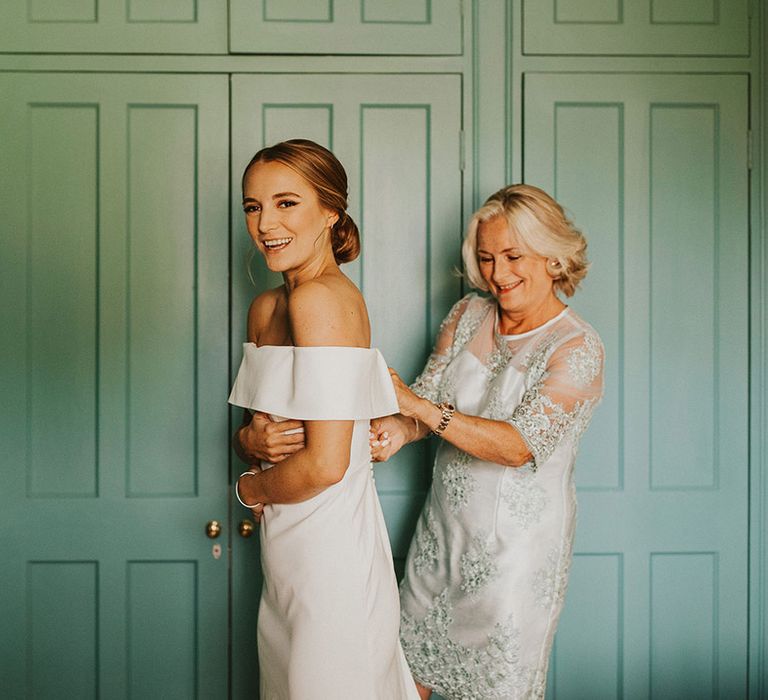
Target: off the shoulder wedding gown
point(329, 613)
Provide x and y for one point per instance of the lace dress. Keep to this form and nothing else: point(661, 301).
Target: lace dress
point(329, 611)
point(488, 566)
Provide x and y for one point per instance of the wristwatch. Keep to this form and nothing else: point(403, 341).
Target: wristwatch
point(447, 410)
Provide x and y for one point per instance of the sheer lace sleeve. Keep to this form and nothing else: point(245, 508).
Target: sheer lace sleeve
point(563, 391)
point(428, 383)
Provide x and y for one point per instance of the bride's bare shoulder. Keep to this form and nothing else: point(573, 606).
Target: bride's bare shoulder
point(262, 311)
point(326, 311)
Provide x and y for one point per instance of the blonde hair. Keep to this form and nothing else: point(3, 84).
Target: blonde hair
point(323, 171)
point(543, 228)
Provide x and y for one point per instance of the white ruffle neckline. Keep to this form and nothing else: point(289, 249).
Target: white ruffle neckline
point(314, 383)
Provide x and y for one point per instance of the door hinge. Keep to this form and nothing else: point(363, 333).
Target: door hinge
point(462, 152)
point(749, 149)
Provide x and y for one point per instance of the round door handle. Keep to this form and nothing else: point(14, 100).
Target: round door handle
point(213, 529)
point(245, 528)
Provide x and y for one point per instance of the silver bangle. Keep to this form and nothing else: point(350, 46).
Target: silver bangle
point(237, 490)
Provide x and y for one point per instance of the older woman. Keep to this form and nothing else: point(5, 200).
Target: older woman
point(509, 388)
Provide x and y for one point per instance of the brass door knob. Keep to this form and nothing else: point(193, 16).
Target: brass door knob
point(213, 529)
point(245, 528)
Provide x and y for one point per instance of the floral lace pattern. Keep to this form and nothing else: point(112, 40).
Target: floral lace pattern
point(427, 384)
point(525, 499)
point(497, 360)
point(463, 588)
point(469, 323)
point(585, 361)
point(550, 582)
point(544, 423)
point(458, 481)
point(426, 543)
point(496, 407)
point(535, 362)
point(489, 672)
point(477, 566)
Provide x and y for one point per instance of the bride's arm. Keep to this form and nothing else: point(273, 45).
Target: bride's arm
point(318, 318)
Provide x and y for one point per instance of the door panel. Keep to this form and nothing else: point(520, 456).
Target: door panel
point(663, 473)
point(114, 26)
point(346, 26)
point(115, 311)
point(398, 138)
point(644, 27)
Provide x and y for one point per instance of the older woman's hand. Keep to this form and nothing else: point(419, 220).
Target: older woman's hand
point(408, 402)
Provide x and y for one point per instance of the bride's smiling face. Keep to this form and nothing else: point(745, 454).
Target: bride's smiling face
point(284, 216)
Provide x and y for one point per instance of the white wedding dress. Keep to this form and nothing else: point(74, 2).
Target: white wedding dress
point(329, 613)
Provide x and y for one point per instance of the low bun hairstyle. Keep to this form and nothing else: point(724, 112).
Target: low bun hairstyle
point(323, 171)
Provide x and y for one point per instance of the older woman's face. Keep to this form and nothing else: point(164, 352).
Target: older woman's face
point(517, 277)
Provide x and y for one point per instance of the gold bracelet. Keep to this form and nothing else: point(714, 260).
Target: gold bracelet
point(447, 410)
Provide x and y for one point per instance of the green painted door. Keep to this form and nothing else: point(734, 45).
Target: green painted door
point(637, 27)
point(114, 26)
point(398, 137)
point(346, 26)
point(654, 169)
point(113, 350)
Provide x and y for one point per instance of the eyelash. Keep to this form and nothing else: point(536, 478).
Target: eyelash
point(283, 204)
point(511, 258)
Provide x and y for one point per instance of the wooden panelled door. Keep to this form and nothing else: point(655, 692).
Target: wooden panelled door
point(655, 170)
point(115, 349)
point(113, 377)
point(387, 27)
point(398, 137)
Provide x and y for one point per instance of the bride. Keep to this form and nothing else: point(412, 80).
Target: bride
point(329, 612)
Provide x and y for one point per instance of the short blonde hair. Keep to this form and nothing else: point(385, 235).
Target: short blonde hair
point(543, 228)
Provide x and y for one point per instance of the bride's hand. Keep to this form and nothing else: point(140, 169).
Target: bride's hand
point(387, 436)
point(271, 441)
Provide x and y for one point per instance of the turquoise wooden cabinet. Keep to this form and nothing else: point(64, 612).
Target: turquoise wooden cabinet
point(656, 168)
point(346, 26)
point(114, 237)
point(114, 26)
point(636, 27)
point(398, 137)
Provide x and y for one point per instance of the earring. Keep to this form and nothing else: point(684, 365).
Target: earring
point(554, 267)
